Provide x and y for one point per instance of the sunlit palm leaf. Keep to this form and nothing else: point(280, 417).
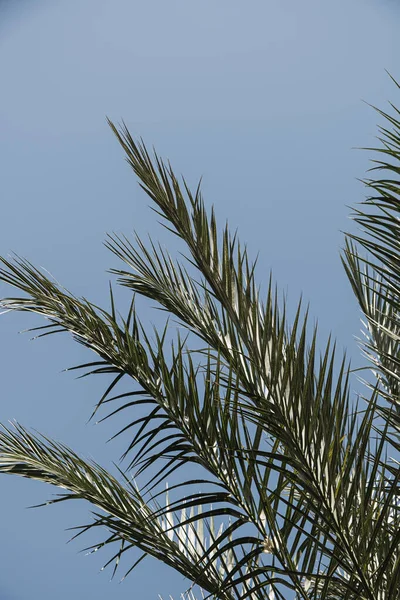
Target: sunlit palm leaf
point(297, 497)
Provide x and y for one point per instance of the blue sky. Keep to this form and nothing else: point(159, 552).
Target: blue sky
point(263, 99)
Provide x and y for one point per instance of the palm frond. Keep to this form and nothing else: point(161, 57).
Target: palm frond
point(280, 385)
point(375, 278)
point(132, 522)
point(297, 494)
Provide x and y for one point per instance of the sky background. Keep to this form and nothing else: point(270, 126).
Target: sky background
point(261, 98)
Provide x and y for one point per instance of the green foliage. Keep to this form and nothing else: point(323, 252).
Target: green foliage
point(298, 498)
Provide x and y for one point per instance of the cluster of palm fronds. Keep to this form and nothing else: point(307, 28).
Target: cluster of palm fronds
point(297, 496)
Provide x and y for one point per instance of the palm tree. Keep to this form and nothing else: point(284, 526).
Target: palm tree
point(298, 496)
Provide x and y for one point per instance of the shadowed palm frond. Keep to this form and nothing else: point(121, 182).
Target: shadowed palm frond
point(375, 278)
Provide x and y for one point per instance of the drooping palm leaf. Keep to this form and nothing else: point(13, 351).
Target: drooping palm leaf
point(125, 514)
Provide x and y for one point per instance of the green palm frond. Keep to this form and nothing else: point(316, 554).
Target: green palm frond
point(375, 278)
point(278, 379)
point(199, 424)
point(131, 521)
point(291, 493)
point(125, 514)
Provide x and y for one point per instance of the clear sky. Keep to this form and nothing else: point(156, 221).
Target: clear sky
point(263, 98)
